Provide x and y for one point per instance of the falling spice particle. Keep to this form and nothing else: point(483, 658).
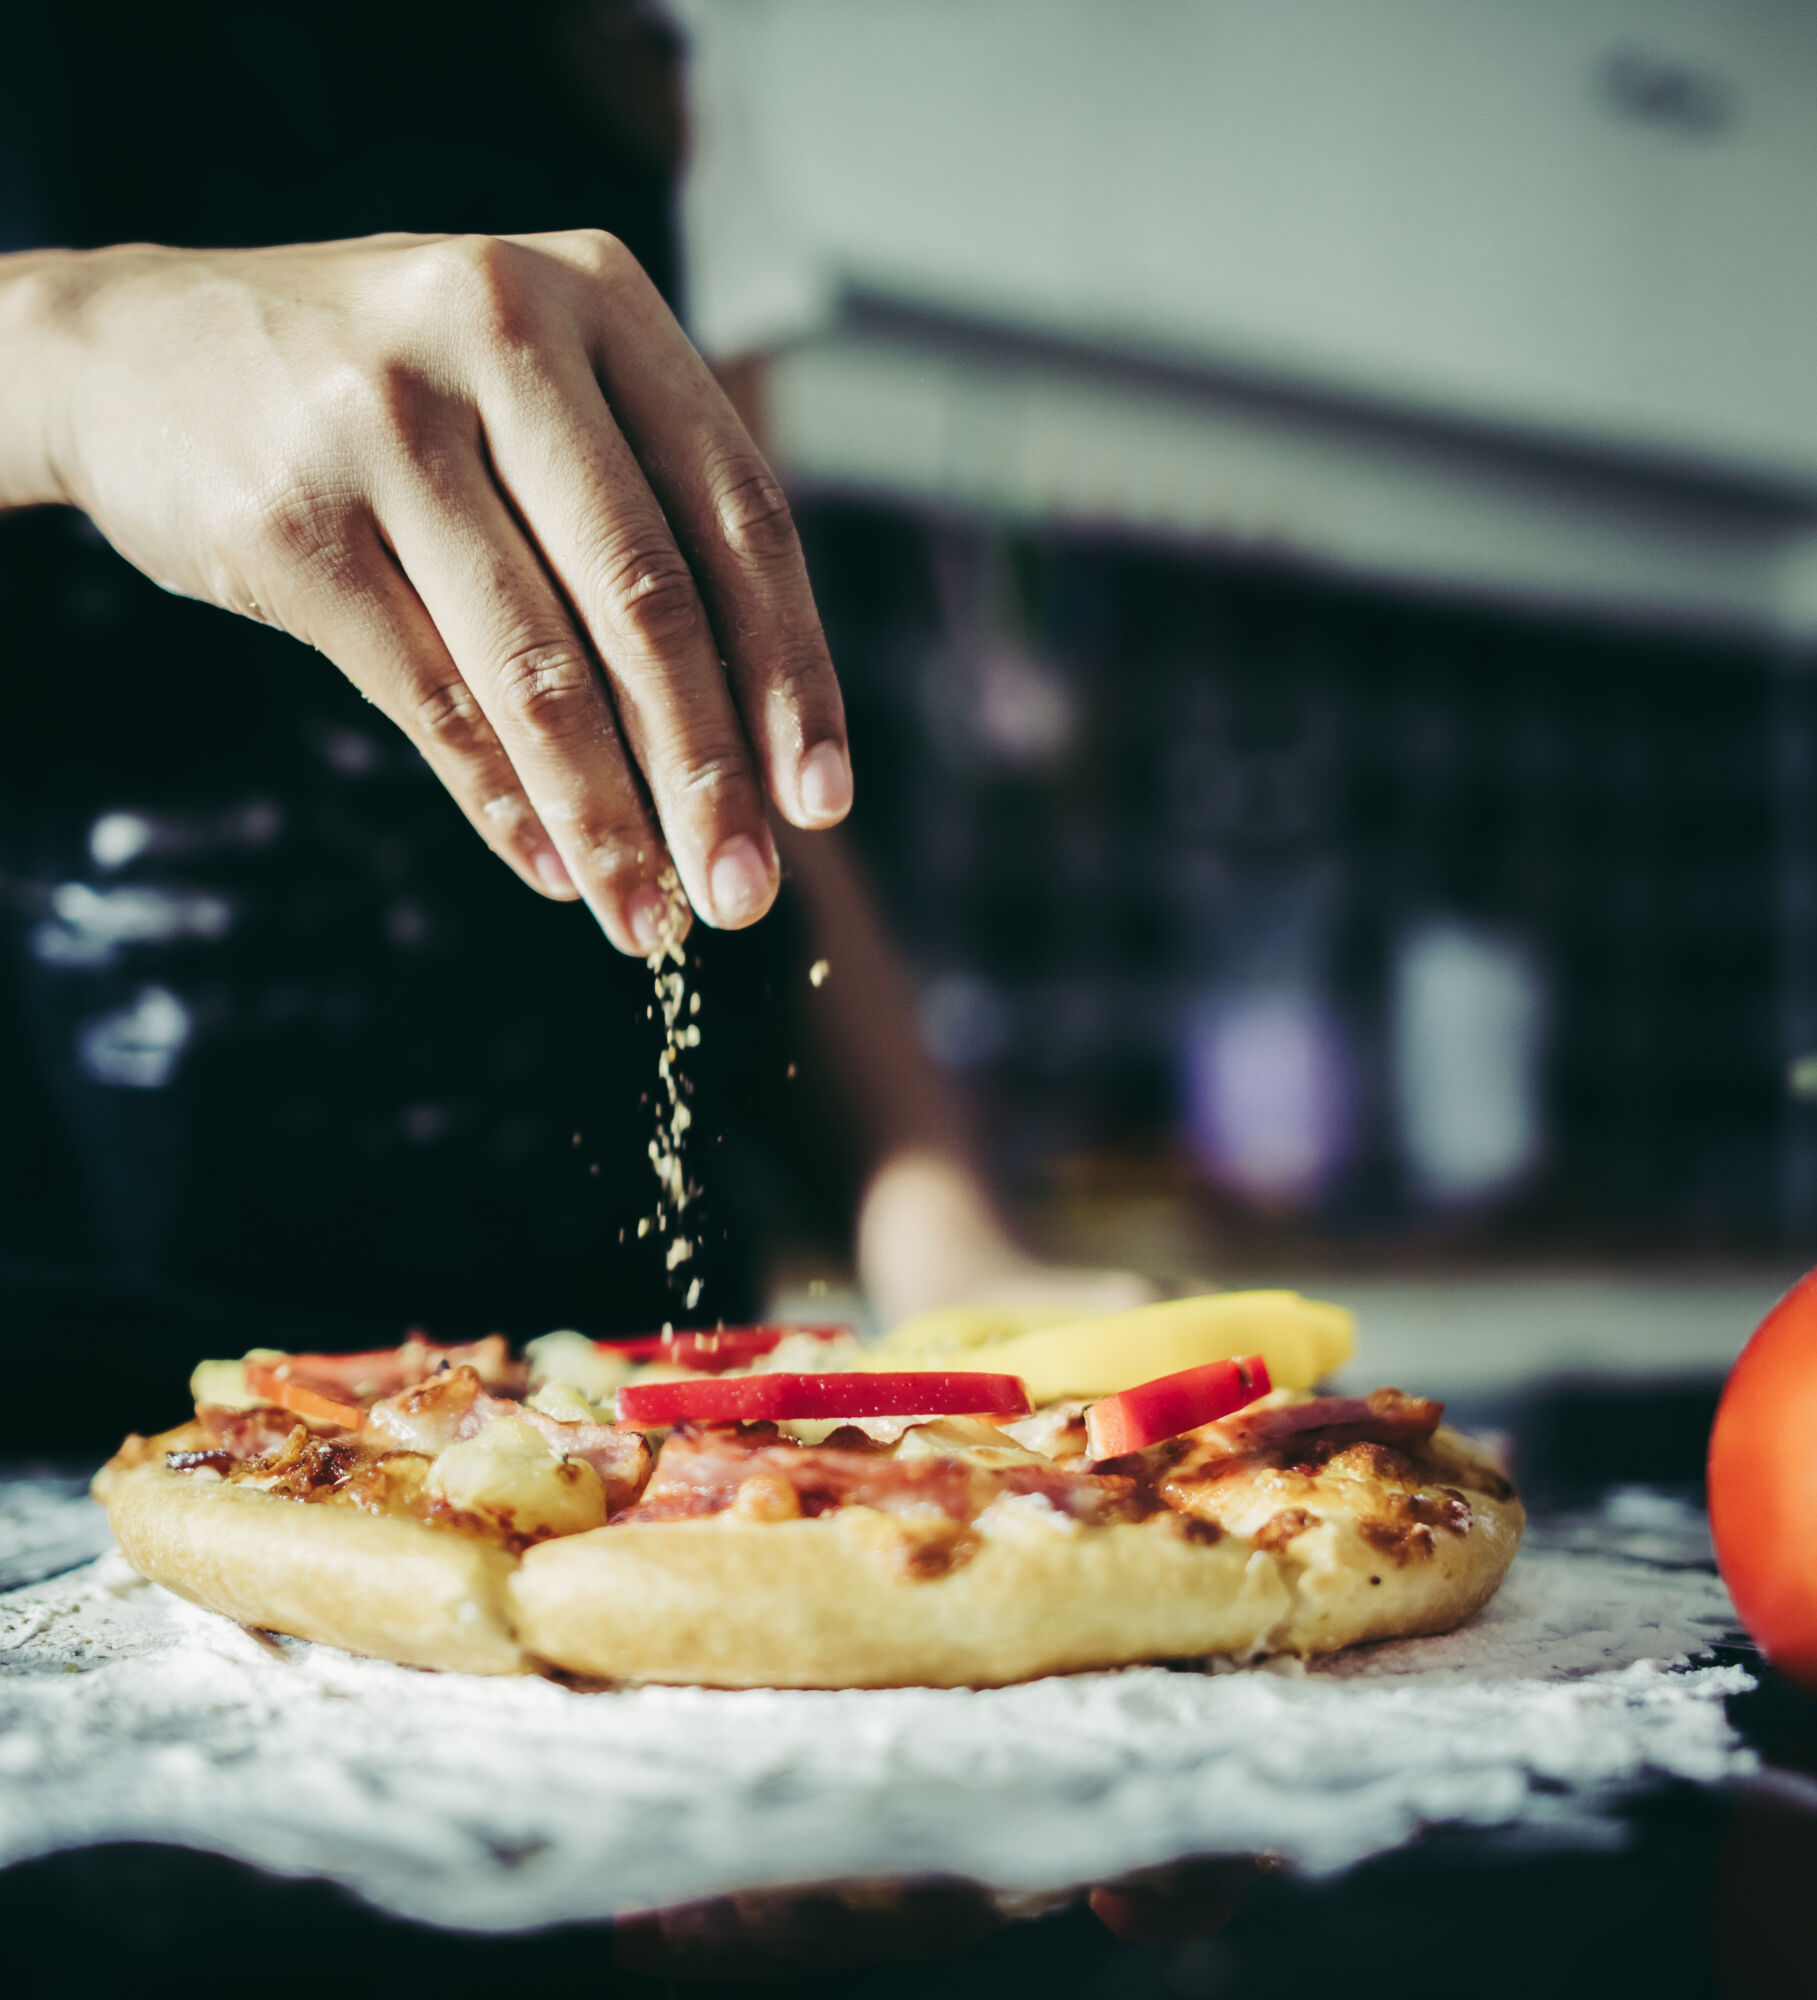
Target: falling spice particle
point(791, 1069)
point(693, 1293)
point(817, 972)
point(668, 968)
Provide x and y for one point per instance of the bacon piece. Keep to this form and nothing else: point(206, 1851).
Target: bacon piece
point(246, 1433)
point(701, 1469)
point(617, 1452)
point(452, 1406)
point(199, 1461)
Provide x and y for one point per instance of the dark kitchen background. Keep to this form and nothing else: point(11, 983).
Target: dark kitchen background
point(1316, 514)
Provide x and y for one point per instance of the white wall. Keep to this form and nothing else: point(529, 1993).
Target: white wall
point(1426, 206)
point(1424, 199)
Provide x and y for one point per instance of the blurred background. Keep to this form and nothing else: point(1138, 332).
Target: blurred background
point(1317, 512)
point(1315, 509)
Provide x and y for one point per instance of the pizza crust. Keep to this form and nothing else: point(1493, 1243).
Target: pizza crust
point(721, 1602)
point(724, 1602)
point(833, 1601)
point(368, 1583)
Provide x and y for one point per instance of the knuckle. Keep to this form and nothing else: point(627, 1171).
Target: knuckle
point(709, 774)
point(752, 511)
point(622, 851)
point(600, 254)
point(446, 713)
point(295, 526)
point(487, 279)
point(650, 595)
point(285, 518)
point(799, 681)
point(546, 688)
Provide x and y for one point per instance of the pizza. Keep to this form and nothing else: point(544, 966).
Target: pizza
point(970, 1502)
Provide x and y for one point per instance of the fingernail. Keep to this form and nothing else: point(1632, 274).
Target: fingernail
point(647, 916)
point(738, 881)
point(825, 782)
point(551, 874)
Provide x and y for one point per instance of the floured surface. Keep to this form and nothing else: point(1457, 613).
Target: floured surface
point(126, 1714)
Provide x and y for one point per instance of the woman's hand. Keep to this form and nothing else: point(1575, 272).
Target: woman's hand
point(491, 480)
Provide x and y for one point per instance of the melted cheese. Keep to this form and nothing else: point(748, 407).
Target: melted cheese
point(223, 1383)
point(510, 1475)
point(574, 1359)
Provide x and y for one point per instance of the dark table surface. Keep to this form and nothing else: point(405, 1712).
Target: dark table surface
point(1698, 1891)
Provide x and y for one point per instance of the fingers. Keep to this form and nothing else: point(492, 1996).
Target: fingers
point(533, 679)
point(734, 528)
point(572, 480)
point(373, 626)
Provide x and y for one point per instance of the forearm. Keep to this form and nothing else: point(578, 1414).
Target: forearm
point(863, 1017)
point(926, 1225)
point(41, 293)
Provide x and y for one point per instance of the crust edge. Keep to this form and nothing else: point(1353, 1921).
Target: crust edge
point(393, 1589)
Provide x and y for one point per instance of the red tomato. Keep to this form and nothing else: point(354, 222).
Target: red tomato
point(1171, 1404)
point(713, 1353)
point(772, 1398)
point(1763, 1484)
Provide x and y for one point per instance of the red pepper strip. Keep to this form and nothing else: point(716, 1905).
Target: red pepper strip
point(326, 1402)
point(774, 1398)
point(713, 1353)
point(1171, 1404)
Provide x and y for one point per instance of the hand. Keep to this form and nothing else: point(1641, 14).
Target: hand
point(491, 480)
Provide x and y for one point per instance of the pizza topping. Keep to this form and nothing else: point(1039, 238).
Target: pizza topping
point(701, 1469)
point(315, 1398)
point(336, 1389)
point(510, 1474)
point(707, 1470)
point(592, 1367)
point(1399, 1504)
point(1301, 1340)
point(432, 1415)
point(1056, 1431)
point(773, 1398)
point(216, 1461)
point(974, 1440)
point(616, 1452)
point(1383, 1417)
point(1171, 1404)
point(222, 1384)
point(567, 1404)
point(713, 1353)
point(244, 1434)
point(453, 1408)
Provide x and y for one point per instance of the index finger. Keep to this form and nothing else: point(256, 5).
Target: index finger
point(730, 517)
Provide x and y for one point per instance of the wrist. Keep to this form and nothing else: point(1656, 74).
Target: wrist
point(41, 297)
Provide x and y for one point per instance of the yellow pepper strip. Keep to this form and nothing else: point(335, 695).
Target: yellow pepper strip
point(952, 1329)
point(1300, 1339)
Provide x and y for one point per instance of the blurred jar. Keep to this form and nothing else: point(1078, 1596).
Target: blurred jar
point(1468, 1013)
